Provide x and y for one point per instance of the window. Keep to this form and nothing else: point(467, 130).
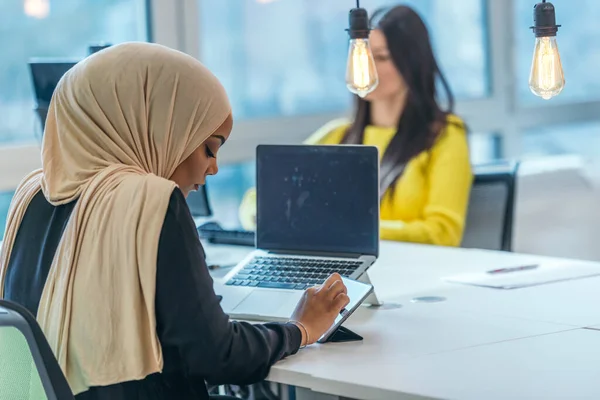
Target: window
point(484, 147)
point(45, 28)
point(5, 199)
point(578, 43)
point(577, 138)
point(288, 57)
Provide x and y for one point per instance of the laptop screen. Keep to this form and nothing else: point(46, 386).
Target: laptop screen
point(318, 199)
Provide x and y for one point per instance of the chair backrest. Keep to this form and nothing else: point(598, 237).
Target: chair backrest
point(28, 368)
point(490, 215)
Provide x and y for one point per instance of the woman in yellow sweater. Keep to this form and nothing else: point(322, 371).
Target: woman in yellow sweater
point(425, 177)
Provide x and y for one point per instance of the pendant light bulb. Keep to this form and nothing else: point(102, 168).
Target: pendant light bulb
point(546, 78)
point(361, 74)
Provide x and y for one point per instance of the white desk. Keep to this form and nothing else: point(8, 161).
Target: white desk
point(556, 366)
point(416, 270)
point(562, 365)
point(478, 344)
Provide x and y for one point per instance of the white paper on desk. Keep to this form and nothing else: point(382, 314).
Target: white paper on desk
point(519, 279)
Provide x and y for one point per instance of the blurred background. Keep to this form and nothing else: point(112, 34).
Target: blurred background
point(283, 64)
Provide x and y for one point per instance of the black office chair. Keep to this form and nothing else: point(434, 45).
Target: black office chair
point(491, 211)
point(28, 368)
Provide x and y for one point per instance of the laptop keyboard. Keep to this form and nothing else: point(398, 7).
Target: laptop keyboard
point(290, 273)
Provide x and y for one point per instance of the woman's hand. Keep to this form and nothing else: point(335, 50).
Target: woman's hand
point(318, 308)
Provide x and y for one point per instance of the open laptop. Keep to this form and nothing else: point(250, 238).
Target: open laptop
point(317, 213)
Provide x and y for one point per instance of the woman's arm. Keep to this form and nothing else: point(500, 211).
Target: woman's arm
point(191, 321)
point(450, 177)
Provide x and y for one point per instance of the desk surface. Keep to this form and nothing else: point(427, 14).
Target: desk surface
point(519, 343)
point(562, 365)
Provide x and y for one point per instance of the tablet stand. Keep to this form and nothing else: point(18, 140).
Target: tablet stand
point(372, 300)
point(343, 335)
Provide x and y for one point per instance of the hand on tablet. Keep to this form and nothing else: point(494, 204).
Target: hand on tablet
point(319, 307)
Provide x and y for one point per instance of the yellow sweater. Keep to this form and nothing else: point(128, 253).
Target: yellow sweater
point(430, 199)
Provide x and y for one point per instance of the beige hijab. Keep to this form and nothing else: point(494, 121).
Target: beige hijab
point(119, 124)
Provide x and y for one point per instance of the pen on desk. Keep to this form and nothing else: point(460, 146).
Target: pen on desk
point(513, 269)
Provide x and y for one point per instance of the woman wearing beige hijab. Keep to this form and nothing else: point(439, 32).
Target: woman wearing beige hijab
point(100, 244)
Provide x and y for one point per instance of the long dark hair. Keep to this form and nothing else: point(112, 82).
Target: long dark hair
point(422, 118)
